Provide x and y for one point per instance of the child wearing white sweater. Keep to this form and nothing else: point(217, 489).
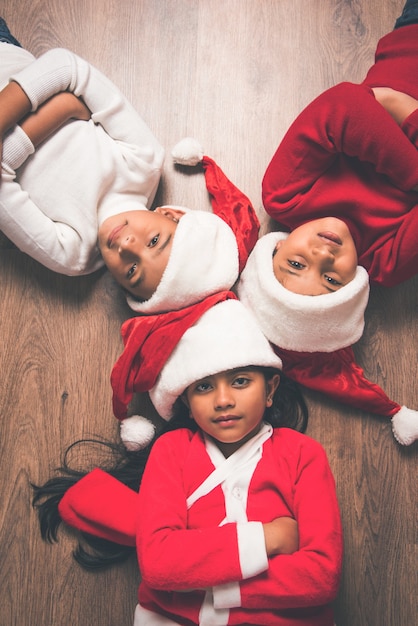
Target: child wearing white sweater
point(80, 169)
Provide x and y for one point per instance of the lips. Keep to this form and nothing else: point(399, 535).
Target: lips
point(332, 237)
point(226, 419)
point(114, 234)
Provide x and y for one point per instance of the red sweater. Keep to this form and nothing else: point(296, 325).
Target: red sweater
point(344, 156)
point(187, 550)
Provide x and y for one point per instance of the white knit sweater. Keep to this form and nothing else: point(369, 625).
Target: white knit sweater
point(52, 200)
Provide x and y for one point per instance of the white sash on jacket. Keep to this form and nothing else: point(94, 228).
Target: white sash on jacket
point(234, 475)
point(234, 464)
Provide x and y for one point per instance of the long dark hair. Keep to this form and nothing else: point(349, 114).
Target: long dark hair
point(288, 410)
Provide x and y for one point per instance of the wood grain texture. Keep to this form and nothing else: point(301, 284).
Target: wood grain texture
point(233, 74)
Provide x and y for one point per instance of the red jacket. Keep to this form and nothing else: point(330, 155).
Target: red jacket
point(344, 156)
point(187, 550)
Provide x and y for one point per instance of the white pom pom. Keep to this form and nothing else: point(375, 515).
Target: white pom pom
point(188, 151)
point(405, 426)
point(136, 432)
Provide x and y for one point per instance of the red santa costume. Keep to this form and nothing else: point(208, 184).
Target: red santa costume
point(207, 564)
point(344, 156)
point(199, 515)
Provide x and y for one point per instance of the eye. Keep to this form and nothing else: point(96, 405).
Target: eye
point(332, 281)
point(153, 242)
point(131, 271)
point(296, 264)
point(202, 387)
point(241, 381)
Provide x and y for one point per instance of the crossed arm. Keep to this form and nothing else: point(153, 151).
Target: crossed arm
point(399, 105)
point(15, 108)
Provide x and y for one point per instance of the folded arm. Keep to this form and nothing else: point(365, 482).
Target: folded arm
point(345, 120)
point(15, 108)
point(61, 70)
point(52, 115)
point(310, 576)
point(174, 556)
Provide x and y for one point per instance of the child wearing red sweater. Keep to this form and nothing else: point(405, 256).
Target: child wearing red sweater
point(219, 500)
point(344, 182)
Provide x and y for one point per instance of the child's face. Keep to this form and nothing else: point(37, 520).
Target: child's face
point(316, 258)
point(230, 406)
point(136, 245)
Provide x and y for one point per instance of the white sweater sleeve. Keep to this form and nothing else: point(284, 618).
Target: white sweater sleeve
point(86, 171)
point(61, 70)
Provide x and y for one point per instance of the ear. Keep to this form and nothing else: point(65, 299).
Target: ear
point(171, 213)
point(278, 245)
point(271, 387)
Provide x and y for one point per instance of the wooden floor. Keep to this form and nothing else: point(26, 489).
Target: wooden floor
point(234, 74)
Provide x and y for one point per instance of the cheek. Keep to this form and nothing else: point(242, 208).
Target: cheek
point(199, 409)
point(349, 266)
point(110, 261)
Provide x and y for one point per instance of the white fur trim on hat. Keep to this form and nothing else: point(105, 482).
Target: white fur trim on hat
point(225, 337)
point(203, 261)
point(301, 323)
point(136, 432)
point(405, 426)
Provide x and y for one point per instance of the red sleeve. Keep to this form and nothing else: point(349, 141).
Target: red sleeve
point(410, 127)
point(344, 120)
point(311, 575)
point(101, 506)
point(171, 556)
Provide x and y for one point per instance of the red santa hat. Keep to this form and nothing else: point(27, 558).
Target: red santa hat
point(313, 336)
point(165, 353)
point(209, 249)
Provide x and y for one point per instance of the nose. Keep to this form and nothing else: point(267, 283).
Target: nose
point(224, 397)
point(125, 244)
point(323, 252)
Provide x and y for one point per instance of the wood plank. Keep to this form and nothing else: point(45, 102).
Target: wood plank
point(234, 75)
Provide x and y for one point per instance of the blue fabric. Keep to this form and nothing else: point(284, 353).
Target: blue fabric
point(6, 35)
point(409, 14)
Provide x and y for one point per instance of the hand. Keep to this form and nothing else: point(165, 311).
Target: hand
point(398, 104)
point(281, 536)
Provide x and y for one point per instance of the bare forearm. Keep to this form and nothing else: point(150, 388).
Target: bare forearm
point(281, 536)
point(52, 115)
point(14, 106)
point(399, 105)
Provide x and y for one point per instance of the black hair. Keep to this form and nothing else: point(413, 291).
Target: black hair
point(288, 410)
